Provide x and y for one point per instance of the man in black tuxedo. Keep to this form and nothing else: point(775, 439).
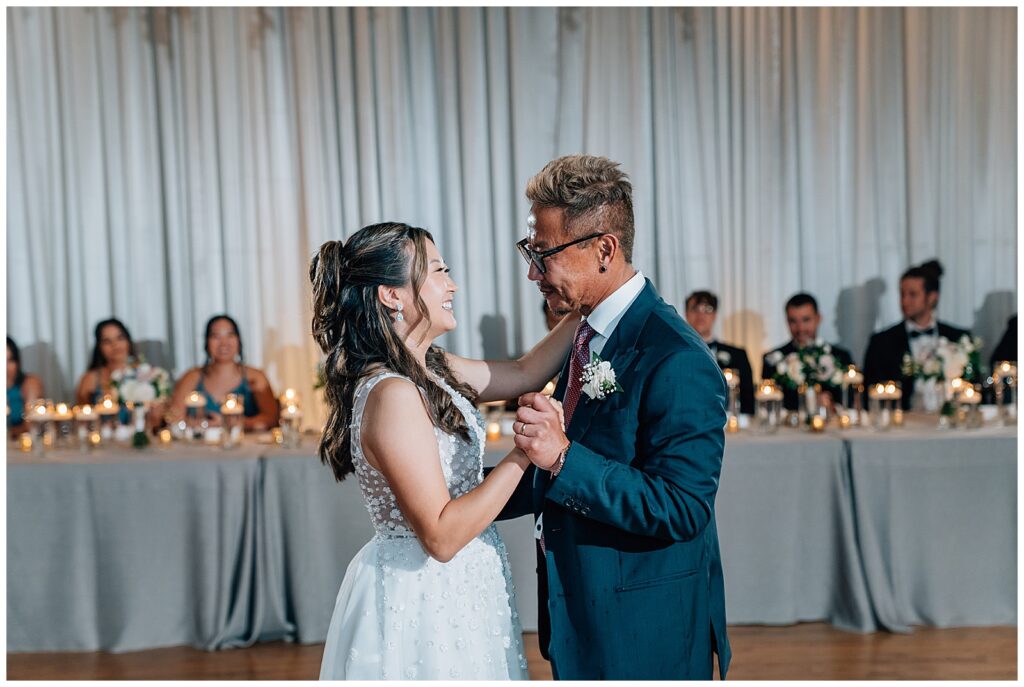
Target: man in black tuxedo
point(919, 296)
point(803, 318)
point(701, 312)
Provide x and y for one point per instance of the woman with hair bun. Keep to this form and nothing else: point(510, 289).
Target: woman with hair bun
point(430, 596)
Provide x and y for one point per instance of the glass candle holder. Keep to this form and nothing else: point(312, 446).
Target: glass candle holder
point(195, 416)
point(1004, 377)
point(768, 407)
point(970, 407)
point(63, 426)
point(291, 418)
point(232, 413)
point(86, 424)
point(881, 406)
point(108, 411)
point(40, 419)
point(853, 394)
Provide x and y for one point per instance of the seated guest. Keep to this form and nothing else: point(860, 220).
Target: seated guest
point(919, 296)
point(113, 350)
point(701, 312)
point(223, 373)
point(803, 319)
point(22, 390)
point(1006, 349)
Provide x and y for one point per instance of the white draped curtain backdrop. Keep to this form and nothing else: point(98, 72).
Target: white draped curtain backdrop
point(164, 165)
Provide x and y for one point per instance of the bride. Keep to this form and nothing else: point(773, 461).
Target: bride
point(430, 596)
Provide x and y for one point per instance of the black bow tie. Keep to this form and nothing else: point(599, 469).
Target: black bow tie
point(914, 333)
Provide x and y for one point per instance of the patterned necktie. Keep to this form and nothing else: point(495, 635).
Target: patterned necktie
point(579, 360)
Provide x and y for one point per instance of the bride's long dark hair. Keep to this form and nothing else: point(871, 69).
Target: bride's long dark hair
point(356, 332)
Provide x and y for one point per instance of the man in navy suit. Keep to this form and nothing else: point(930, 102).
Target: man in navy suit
point(919, 296)
point(701, 312)
point(630, 575)
point(803, 319)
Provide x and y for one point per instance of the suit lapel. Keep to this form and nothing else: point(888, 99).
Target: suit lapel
point(620, 350)
point(586, 408)
point(903, 337)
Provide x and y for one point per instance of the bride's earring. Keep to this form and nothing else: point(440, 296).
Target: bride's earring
point(399, 317)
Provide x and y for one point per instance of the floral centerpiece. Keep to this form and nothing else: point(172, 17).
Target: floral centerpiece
point(942, 361)
point(806, 371)
point(138, 385)
point(814, 364)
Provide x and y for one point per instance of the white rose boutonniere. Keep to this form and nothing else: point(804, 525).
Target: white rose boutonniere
point(599, 378)
point(723, 357)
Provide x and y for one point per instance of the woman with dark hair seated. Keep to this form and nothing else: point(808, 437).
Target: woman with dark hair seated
point(112, 351)
point(223, 373)
point(22, 390)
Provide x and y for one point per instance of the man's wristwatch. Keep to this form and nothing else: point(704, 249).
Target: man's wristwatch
point(557, 467)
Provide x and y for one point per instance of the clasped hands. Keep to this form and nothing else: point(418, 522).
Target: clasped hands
point(540, 429)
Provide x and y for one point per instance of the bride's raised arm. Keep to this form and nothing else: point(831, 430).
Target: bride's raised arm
point(498, 380)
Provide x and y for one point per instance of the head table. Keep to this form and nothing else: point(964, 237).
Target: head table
point(189, 545)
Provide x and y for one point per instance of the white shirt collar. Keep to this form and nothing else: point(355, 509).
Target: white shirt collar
point(608, 312)
point(913, 326)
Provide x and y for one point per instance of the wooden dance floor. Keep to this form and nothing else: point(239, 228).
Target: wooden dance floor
point(810, 651)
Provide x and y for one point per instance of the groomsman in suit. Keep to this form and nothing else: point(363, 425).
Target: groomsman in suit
point(919, 296)
point(803, 318)
point(701, 312)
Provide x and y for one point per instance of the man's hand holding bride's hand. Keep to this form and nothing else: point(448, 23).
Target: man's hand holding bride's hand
point(539, 431)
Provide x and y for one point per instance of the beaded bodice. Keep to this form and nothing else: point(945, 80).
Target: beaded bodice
point(461, 460)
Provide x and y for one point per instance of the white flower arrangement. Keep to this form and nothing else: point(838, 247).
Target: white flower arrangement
point(815, 364)
point(945, 359)
point(141, 383)
point(598, 378)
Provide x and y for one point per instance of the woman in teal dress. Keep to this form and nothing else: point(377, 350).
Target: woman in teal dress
point(223, 373)
point(113, 350)
point(22, 390)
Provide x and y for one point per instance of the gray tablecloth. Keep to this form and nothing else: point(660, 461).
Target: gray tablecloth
point(785, 525)
point(936, 516)
point(131, 550)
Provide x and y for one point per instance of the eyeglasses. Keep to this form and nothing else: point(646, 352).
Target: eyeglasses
point(701, 307)
point(537, 257)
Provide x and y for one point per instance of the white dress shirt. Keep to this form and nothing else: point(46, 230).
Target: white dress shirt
point(605, 317)
point(925, 341)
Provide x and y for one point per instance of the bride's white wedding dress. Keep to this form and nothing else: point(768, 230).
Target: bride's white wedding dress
point(400, 614)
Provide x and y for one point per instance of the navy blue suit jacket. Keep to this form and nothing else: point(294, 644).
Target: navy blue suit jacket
point(631, 583)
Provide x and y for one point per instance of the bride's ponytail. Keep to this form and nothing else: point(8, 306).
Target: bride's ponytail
point(326, 272)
